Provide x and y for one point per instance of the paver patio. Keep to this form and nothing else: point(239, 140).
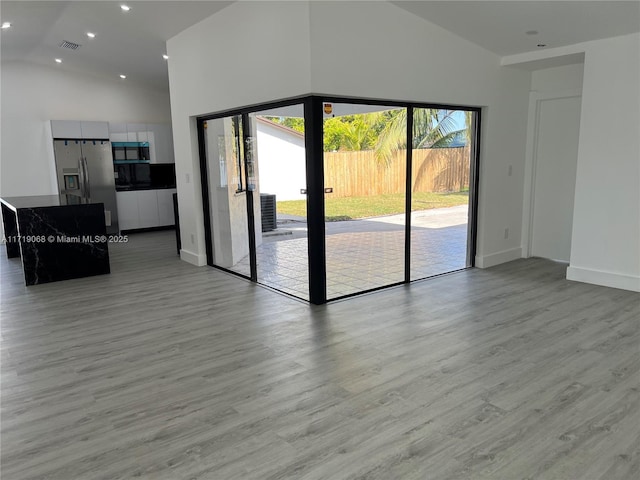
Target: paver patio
point(364, 254)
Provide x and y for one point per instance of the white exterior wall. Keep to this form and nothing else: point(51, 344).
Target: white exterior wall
point(282, 163)
point(247, 53)
point(32, 95)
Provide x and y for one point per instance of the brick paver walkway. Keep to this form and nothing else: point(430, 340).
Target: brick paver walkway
point(362, 260)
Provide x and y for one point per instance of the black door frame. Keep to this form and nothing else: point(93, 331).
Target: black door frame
point(314, 160)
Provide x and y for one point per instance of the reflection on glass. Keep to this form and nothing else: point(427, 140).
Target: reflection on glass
point(278, 170)
point(227, 204)
point(441, 161)
point(365, 173)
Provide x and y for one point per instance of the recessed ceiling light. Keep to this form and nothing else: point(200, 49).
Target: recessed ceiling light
point(531, 32)
point(125, 8)
point(165, 56)
point(6, 25)
point(540, 45)
point(58, 60)
point(123, 76)
point(91, 35)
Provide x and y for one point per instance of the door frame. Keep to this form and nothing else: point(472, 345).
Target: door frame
point(314, 155)
point(531, 159)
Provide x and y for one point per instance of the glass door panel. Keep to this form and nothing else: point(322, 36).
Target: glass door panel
point(441, 167)
point(224, 146)
point(281, 242)
point(365, 183)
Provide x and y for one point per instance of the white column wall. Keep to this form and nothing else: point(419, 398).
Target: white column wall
point(605, 246)
point(605, 240)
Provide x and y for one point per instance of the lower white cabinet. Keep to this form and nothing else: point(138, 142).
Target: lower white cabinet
point(165, 207)
point(145, 208)
point(128, 217)
point(148, 208)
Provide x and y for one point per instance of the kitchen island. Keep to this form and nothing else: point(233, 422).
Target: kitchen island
point(57, 237)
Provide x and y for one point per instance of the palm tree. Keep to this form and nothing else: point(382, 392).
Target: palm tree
point(432, 128)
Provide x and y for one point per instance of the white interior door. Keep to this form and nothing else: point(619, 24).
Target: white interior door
point(556, 156)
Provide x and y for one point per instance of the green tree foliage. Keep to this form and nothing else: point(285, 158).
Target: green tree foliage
point(294, 123)
point(385, 132)
point(350, 132)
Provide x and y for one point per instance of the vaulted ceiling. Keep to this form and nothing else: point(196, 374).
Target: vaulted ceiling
point(132, 43)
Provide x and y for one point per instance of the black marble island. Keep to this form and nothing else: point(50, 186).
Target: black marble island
point(58, 237)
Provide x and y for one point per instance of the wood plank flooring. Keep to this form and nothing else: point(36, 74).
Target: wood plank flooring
point(166, 371)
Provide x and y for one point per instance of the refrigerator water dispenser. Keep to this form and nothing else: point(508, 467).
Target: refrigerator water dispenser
point(71, 182)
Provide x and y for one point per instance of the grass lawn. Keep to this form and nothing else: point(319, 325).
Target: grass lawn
point(337, 209)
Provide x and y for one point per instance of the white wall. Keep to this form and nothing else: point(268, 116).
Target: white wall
point(557, 79)
point(32, 95)
point(605, 246)
point(375, 49)
point(282, 163)
point(363, 49)
point(605, 241)
point(247, 53)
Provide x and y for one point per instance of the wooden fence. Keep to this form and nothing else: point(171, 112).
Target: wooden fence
point(352, 174)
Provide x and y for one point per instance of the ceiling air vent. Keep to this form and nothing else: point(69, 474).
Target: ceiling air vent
point(69, 45)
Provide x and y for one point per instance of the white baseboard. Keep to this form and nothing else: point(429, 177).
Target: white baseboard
point(193, 258)
point(486, 261)
point(606, 279)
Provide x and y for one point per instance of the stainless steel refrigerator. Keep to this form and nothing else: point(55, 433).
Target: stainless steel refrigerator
point(85, 170)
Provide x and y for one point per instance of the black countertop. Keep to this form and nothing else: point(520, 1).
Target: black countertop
point(38, 201)
point(132, 188)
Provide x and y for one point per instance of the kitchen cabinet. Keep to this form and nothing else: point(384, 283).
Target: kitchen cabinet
point(145, 208)
point(165, 206)
point(158, 135)
point(66, 129)
point(95, 130)
point(148, 208)
point(118, 132)
point(128, 216)
point(132, 131)
point(162, 142)
point(76, 129)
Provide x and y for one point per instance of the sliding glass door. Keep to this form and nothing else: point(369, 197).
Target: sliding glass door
point(441, 161)
point(228, 194)
point(364, 196)
point(326, 198)
point(282, 247)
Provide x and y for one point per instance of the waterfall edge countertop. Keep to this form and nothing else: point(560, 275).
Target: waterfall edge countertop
point(35, 201)
point(57, 237)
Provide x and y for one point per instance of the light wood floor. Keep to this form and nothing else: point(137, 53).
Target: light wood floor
point(166, 371)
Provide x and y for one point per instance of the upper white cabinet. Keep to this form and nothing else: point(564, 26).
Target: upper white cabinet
point(133, 129)
point(79, 130)
point(163, 139)
point(118, 132)
point(66, 129)
point(95, 130)
point(158, 135)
